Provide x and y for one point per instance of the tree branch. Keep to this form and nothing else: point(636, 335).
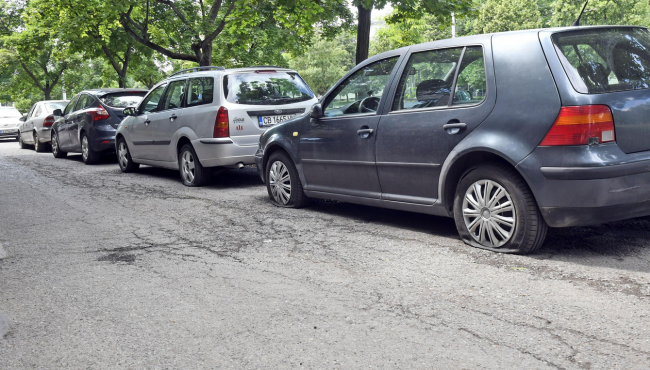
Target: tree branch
point(216, 6)
point(175, 9)
point(56, 80)
point(32, 76)
point(216, 32)
point(145, 41)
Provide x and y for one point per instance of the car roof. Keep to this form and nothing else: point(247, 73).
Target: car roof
point(104, 91)
point(220, 71)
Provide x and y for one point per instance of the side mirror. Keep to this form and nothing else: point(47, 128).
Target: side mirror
point(57, 113)
point(22, 119)
point(130, 111)
point(317, 111)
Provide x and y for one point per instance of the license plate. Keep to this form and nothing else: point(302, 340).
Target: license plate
point(272, 120)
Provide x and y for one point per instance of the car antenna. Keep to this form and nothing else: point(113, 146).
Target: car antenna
point(577, 22)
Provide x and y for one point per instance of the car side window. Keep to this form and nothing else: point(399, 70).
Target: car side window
point(174, 95)
point(200, 91)
point(150, 102)
point(81, 103)
point(471, 83)
point(38, 111)
point(31, 112)
point(70, 106)
point(360, 93)
point(427, 79)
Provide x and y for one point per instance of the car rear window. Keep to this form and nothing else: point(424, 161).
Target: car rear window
point(266, 88)
point(605, 59)
point(50, 107)
point(9, 113)
point(123, 100)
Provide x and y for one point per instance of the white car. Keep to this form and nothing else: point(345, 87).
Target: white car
point(9, 121)
point(209, 117)
point(35, 129)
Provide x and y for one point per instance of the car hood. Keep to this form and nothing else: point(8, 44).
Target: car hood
point(9, 122)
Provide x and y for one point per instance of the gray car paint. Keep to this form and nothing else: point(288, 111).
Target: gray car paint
point(529, 94)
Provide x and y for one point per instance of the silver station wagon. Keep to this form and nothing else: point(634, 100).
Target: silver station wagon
point(507, 133)
point(207, 117)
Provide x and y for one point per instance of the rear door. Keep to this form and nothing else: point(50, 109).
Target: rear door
point(77, 116)
point(63, 125)
point(436, 104)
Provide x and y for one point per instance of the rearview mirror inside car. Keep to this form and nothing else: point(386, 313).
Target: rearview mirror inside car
point(130, 111)
point(317, 111)
point(57, 113)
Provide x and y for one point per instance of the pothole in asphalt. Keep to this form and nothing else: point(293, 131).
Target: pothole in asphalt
point(118, 257)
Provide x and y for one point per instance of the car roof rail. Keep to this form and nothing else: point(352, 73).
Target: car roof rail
point(196, 69)
point(266, 67)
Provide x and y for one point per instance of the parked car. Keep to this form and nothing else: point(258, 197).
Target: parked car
point(89, 122)
point(209, 117)
point(9, 122)
point(35, 128)
point(508, 133)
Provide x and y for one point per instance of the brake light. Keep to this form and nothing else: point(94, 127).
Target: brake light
point(581, 125)
point(98, 113)
point(266, 71)
point(49, 121)
point(221, 127)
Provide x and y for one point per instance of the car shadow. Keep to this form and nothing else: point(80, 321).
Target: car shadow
point(105, 159)
point(220, 179)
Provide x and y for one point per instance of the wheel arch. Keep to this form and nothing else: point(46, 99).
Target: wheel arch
point(273, 147)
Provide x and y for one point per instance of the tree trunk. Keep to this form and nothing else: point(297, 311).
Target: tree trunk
point(121, 80)
point(206, 55)
point(48, 94)
point(363, 33)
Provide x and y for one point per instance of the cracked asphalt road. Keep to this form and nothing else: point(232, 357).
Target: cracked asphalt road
point(135, 271)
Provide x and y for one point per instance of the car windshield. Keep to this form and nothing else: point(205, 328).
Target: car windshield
point(50, 107)
point(123, 100)
point(266, 88)
point(9, 113)
point(605, 59)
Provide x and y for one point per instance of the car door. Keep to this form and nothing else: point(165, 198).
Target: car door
point(84, 101)
point(441, 96)
point(140, 131)
point(63, 125)
point(25, 130)
point(338, 150)
point(167, 121)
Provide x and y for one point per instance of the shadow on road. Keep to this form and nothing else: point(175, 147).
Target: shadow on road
point(221, 178)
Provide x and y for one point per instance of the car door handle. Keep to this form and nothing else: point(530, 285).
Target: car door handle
point(365, 132)
point(454, 128)
point(147, 122)
point(173, 117)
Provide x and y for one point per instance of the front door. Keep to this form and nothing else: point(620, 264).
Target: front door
point(166, 122)
point(426, 120)
point(141, 129)
point(338, 150)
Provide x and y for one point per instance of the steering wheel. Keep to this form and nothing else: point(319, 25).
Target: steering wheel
point(369, 105)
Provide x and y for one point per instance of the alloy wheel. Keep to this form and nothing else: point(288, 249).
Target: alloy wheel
point(280, 182)
point(36, 142)
point(84, 147)
point(55, 144)
point(187, 165)
point(122, 153)
point(489, 213)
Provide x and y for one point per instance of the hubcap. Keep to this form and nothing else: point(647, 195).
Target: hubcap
point(187, 166)
point(122, 153)
point(489, 213)
point(280, 182)
point(84, 147)
point(55, 144)
point(36, 143)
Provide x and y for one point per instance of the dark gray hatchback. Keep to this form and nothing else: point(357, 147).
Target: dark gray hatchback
point(508, 133)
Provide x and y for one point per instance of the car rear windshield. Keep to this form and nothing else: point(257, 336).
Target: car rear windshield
point(9, 113)
point(266, 88)
point(123, 100)
point(50, 107)
point(605, 59)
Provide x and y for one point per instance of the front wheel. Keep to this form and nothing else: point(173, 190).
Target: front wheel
point(21, 142)
point(88, 155)
point(192, 172)
point(494, 209)
point(56, 149)
point(38, 146)
point(124, 157)
point(283, 183)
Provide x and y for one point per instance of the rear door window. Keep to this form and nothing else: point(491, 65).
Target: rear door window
point(605, 60)
point(266, 87)
point(471, 83)
point(200, 91)
point(123, 100)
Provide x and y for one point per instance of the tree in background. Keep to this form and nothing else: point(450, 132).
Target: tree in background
point(600, 12)
point(508, 15)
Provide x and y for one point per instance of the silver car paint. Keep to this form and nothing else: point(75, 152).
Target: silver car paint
point(35, 123)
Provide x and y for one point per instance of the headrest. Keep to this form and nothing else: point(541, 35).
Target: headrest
point(431, 90)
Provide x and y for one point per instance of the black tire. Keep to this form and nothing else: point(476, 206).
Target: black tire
point(278, 163)
point(194, 177)
point(56, 149)
point(529, 230)
point(21, 142)
point(88, 155)
point(124, 159)
point(38, 146)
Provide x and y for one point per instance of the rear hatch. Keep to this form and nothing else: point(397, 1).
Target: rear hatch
point(115, 103)
point(259, 99)
point(613, 66)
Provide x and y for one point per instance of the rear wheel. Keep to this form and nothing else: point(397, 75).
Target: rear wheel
point(124, 157)
point(88, 155)
point(21, 142)
point(283, 183)
point(494, 209)
point(192, 172)
point(38, 146)
point(56, 150)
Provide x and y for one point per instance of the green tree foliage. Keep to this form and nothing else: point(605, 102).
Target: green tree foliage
point(508, 15)
point(600, 12)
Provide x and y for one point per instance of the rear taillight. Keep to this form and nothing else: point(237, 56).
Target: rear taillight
point(221, 128)
point(98, 113)
point(49, 121)
point(582, 125)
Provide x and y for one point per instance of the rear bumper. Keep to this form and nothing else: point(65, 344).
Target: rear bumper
point(102, 136)
point(562, 217)
point(223, 152)
point(259, 161)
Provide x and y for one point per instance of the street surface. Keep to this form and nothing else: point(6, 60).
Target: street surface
point(105, 270)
